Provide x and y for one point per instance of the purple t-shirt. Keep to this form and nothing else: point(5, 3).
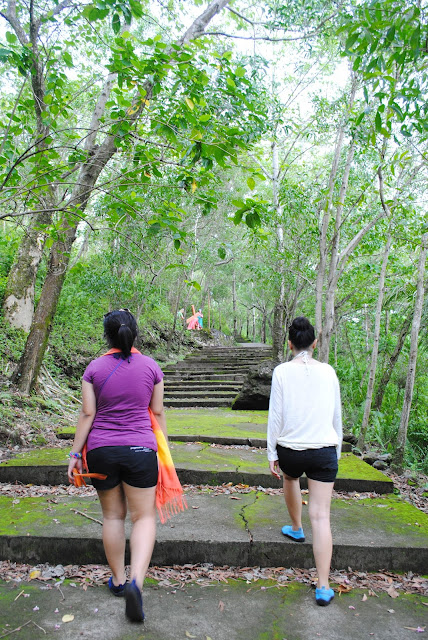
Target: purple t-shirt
point(122, 416)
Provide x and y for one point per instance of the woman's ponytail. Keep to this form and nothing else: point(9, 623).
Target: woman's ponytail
point(120, 330)
point(125, 340)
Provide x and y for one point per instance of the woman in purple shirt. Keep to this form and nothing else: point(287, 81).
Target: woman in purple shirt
point(117, 390)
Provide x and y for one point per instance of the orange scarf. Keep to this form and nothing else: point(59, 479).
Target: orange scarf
point(169, 492)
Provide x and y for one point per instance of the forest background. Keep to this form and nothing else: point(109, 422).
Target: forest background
point(259, 160)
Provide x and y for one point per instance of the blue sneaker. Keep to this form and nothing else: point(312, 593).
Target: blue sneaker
point(324, 596)
point(297, 536)
point(118, 590)
point(134, 602)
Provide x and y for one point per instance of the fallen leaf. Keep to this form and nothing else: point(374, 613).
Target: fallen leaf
point(235, 498)
point(344, 588)
point(364, 598)
point(351, 607)
point(417, 629)
point(68, 617)
point(35, 573)
point(221, 605)
point(193, 507)
point(392, 592)
point(189, 635)
point(391, 610)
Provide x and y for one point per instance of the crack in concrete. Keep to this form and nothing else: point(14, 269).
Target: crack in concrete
point(242, 515)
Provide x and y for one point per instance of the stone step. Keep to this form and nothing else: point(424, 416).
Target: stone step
point(245, 359)
point(236, 349)
point(189, 403)
point(204, 377)
point(200, 386)
point(212, 367)
point(199, 463)
point(223, 440)
point(194, 394)
point(239, 529)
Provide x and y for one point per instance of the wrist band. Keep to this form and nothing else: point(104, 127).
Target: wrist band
point(72, 454)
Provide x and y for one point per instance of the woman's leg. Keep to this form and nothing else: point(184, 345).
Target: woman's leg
point(113, 504)
point(293, 500)
point(142, 509)
point(319, 513)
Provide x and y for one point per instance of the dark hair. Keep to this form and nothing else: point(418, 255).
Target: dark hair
point(120, 330)
point(301, 333)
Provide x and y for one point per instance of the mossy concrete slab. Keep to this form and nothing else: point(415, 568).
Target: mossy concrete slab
point(212, 425)
point(371, 533)
point(234, 610)
point(199, 463)
point(236, 529)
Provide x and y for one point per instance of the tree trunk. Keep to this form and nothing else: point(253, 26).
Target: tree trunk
point(375, 346)
point(174, 323)
point(398, 456)
point(209, 310)
point(254, 324)
point(31, 359)
point(332, 280)
point(323, 248)
point(264, 321)
point(235, 319)
point(18, 304)
point(278, 329)
point(324, 323)
point(389, 367)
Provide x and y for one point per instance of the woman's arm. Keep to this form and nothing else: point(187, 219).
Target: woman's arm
point(274, 422)
point(156, 405)
point(337, 417)
point(84, 424)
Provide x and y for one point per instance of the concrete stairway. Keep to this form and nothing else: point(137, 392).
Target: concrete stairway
point(235, 509)
point(211, 377)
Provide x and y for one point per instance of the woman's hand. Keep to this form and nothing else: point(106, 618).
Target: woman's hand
point(274, 468)
point(74, 463)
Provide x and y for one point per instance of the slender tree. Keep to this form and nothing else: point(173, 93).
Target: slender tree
point(398, 456)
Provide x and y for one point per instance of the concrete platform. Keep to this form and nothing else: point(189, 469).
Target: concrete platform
point(235, 610)
point(199, 463)
point(237, 529)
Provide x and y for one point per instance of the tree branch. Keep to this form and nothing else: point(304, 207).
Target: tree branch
point(269, 39)
point(197, 28)
point(12, 19)
point(59, 7)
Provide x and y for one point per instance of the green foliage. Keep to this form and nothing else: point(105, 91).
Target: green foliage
point(9, 241)
point(11, 345)
point(187, 205)
point(386, 40)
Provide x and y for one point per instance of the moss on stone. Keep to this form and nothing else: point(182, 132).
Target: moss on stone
point(388, 515)
point(352, 467)
point(38, 457)
point(211, 422)
point(203, 456)
point(37, 516)
point(391, 512)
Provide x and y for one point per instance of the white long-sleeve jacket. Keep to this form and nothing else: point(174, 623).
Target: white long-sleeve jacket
point(304, 410)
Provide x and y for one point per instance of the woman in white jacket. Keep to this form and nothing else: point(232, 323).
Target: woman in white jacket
point(305, 436)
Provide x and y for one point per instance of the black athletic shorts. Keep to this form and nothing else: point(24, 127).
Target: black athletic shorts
point(137, 466)
point(318, 464)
